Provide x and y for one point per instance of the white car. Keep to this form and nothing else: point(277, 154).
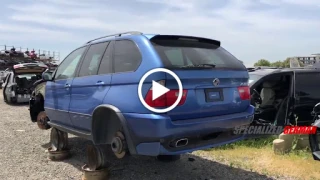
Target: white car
point(17, 86)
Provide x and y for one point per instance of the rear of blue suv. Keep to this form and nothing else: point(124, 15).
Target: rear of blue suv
point(103, 105)
point(215, 98)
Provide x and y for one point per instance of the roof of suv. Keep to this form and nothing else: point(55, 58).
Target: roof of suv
point(132, 34)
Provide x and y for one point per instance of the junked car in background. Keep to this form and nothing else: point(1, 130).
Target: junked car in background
point(17, 86)
point(284, 96)
point(3, 75)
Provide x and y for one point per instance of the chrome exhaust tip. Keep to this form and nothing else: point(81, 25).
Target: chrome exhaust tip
point(182, 142)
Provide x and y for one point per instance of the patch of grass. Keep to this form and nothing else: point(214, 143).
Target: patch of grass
point(254, 143)
point(257, 155)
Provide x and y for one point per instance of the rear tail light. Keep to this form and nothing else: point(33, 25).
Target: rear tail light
point(167, 99)
point(244, 92)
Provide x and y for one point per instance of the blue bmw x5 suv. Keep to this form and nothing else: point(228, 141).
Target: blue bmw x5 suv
point(94, 94)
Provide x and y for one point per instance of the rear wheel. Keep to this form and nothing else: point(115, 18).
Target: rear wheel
point(168, 158)
point(119, 145)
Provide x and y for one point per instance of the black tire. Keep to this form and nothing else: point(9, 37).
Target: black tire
point(168, 158)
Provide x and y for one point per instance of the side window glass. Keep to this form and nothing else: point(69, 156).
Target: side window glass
point(105, 65)
point(305, 86)
point(126, 56)
point(92, 59)
point(68, 66)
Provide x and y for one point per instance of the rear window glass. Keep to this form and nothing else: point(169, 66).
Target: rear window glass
point(180, 53)
point(253, 78)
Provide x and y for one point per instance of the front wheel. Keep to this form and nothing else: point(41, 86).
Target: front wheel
point(168, 158)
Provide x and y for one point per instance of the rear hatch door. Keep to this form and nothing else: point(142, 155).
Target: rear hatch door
point(29, 68)
point(216, 82)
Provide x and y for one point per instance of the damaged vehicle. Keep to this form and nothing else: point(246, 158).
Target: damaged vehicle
point(284, 96)
point(94, 94)
point(314, 139)
point(17, 86)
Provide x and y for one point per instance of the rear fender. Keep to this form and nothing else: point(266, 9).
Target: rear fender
point(102, 128)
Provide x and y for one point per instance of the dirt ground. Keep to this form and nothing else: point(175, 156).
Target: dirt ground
point(23, 156)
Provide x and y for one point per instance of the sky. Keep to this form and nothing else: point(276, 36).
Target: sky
point(249, 29)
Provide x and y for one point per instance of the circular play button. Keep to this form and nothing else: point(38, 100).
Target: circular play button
point(159, 90)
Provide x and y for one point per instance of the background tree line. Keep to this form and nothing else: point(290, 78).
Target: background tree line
point(283, 64)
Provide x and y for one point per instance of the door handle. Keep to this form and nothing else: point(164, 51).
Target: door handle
point(100, 83)
point(67, 85)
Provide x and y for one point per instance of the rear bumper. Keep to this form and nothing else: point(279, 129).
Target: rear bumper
point(19, 98)
point(23, 98)
point(154, 134)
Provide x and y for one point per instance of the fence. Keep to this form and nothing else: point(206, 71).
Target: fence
point(55, 56)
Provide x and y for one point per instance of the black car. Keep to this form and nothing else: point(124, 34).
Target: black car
point(284, 96)
point(18, 83)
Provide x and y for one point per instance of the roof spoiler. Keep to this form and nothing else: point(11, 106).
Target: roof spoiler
point(186, 38)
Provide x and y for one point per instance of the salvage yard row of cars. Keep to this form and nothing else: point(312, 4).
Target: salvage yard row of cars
point(93, 94)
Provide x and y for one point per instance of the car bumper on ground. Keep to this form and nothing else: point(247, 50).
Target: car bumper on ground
point(154, 134)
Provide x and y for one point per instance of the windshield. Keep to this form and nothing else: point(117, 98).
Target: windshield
point(253, 78)
point(186, 54)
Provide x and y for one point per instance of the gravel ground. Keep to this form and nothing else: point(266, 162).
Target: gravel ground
point(23, 156)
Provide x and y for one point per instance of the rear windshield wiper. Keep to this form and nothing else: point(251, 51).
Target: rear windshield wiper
point(201, 65)
point(191, 66)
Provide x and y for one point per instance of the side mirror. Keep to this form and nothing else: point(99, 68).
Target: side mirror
point(47, 76)
point(316, 109)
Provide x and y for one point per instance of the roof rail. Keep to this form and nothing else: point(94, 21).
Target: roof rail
point(119, 34)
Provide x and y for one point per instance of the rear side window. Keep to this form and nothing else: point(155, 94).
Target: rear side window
point(127, 56)
point(175, 52)
point(92, 59)
point(306, 88)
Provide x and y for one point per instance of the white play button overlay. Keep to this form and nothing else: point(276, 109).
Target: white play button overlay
point(158, 90)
